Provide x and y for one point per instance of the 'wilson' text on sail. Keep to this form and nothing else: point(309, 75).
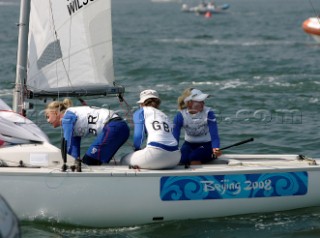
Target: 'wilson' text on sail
point(76, 5)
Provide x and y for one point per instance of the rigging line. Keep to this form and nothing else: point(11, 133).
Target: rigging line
point(128, 115)
point(57, 38)
point(314, 10)
point(128, 110)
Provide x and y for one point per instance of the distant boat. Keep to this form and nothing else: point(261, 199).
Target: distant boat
point(205, 8)
point(161, 1)
point(312, 27)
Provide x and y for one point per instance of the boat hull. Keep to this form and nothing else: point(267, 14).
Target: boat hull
point(113, 195)
point(312, 27)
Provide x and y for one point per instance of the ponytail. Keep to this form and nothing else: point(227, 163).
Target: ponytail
point(67, 103)
point(181, 104)
point(60, 106)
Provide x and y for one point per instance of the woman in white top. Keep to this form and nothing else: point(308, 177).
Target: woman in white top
point(109, 129)
point(202, 140)
point(161, 151)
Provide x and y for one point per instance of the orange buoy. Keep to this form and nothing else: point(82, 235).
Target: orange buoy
point(312, 26)
point(208, 14)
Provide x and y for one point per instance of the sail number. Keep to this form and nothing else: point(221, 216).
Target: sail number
point(160, 125)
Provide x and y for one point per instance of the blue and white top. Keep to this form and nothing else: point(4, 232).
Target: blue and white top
point(199, 128)
point(157, 126)
point(82, 121)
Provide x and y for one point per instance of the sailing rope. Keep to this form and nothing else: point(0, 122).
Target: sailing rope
point(128, 115)
point(314, 10)
point(55, 36)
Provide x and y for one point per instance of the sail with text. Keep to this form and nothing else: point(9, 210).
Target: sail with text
point(70, 48)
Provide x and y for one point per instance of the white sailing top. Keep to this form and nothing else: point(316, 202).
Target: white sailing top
point(90, 120)
point(196, 126)
point(158, 127)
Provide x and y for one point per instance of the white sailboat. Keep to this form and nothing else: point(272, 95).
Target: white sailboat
point(204, 8)
point(67, 47)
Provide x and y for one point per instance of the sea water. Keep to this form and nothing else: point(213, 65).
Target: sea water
point(260, 68)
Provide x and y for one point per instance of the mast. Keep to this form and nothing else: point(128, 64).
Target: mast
point(21, 70)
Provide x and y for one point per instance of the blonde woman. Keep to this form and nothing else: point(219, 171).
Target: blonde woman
point(161, 151)
point(200, 125)
point(110, 130)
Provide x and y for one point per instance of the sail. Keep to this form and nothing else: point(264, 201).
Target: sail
point(17, 129)
point(70, 48)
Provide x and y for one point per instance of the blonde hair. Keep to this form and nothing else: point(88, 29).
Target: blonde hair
point(181, 103)
point(59, 106)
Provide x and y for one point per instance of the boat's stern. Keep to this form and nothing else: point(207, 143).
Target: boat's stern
point(31, 155)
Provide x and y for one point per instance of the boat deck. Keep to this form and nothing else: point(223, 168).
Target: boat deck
point(227, 164)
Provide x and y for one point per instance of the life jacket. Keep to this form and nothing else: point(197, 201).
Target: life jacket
point(196, 126)
point(90, 120)
point(159, 127)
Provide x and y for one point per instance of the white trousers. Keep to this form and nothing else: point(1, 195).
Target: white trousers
point(152, 158)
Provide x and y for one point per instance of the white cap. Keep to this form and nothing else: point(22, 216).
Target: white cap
point(196, 95)
point(146, 94)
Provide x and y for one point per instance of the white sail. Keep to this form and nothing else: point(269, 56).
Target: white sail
point(17, 129)
point(70, 47)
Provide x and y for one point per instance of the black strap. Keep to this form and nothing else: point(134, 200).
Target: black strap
point(64, 154)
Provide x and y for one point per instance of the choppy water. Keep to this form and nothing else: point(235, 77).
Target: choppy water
point(256, 61)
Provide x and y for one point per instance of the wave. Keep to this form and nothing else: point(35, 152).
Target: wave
point(206, 41)
point(273, 82)
point(5, 3)
point(5, 92)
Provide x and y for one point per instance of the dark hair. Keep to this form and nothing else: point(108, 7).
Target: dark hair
point(152, 102)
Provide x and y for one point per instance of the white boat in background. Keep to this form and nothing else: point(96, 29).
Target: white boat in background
point(67, 43)
point(205, 8)
point(163, 1)
point(312, 27)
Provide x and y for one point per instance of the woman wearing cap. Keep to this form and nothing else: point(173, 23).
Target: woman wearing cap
point(161, 151)
point(200, 125)
point(110, 130)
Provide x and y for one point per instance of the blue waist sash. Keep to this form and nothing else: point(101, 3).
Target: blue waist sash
point(165, 147)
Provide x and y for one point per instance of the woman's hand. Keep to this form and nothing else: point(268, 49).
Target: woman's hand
point(217, 152)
